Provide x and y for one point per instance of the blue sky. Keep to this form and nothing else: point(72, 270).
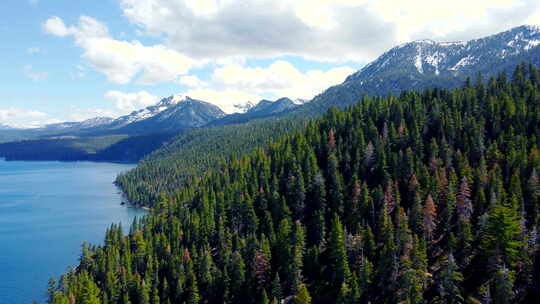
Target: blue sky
point(66, 60)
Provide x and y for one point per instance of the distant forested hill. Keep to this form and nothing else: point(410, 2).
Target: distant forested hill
point(194, 151)
point(429, 197)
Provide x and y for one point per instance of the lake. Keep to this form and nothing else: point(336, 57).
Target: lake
point(47, 209)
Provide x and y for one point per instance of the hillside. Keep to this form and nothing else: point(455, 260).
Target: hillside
point(416, 66)
point(192, 152)
point(429, 197)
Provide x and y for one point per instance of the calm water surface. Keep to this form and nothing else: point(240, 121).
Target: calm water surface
point(47, 209)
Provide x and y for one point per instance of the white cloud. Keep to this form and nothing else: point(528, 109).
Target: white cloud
point(19, 117)
point(122, 61)
point(56, 26)
point(13, 112)
point(192, 81)
point(79, 114)
point(279, 79)
point(235, 84)
point(27, 118)
point(29, 72)
point(534, 19)
point(264, 28)
point(319, 29)
point(128, 102)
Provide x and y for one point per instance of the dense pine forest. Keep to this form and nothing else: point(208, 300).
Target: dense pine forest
point(428, 197)
point(194, 151)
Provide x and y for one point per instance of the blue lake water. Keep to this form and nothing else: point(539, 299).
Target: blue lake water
point(47, 209)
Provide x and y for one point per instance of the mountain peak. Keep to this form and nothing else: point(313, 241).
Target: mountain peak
point(424, 41)
point(527, 27)
point(423, 64)
point(173, 99)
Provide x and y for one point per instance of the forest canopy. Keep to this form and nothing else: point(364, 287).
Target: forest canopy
point(428, 197)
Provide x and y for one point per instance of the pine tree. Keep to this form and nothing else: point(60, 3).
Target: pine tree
point(52, 287)
point(277, 292)
point(337, 255)
point(464, 203)
point(302, 296)
point(449, 286)
point(430, 216)
point(345, 294)
point(193, 290)
point(501, 236)
point(503, 287)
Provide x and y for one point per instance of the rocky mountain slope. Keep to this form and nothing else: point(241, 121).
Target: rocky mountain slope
point(425, 64)
point(173, 113)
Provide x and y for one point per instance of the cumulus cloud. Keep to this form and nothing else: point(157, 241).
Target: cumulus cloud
point(79, 114)
point(28, 118)
point(56, 26)
point(122, 61)
point(318, 29)
point(279, 79)
point(128, 102)
point(235, 84)
point(19, 117)
point(192, 81)
point(264, 28)
point(29, 72)
point(13, 112)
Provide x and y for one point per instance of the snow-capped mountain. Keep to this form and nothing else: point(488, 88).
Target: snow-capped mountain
point(454, 58)
point(425, 64)
point(244, 107)
point(267, 107)
point(264, 108)
point(300, 101)
point(170, 114)
point(147, 112)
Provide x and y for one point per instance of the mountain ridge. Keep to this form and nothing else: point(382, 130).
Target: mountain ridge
point(425, 63)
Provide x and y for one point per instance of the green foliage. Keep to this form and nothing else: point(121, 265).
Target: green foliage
point(193, 152)
point(425, 198)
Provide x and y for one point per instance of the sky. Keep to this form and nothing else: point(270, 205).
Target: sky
point(65, 60)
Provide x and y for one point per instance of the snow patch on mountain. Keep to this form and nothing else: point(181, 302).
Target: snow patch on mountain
point(299, 101)
point(244, 107)
point(418, 60)
point(531, 44)
point(465, 61)
point(435, 59)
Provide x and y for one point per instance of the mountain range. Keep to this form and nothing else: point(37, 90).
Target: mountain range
point(423, 64)
point(415, 65)
point(171, 114)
